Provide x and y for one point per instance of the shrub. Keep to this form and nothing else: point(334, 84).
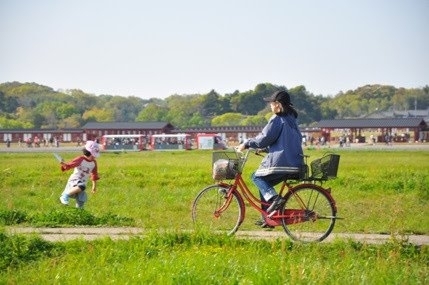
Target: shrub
point(11, 217)
point(16, 250)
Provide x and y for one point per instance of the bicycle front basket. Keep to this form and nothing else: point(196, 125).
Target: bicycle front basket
point(326, 167)
point(225, 165)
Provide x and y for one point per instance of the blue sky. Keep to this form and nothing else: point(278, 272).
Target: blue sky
point(160, 48)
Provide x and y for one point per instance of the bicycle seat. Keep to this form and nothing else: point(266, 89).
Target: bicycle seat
point(300, 175)
point(292, 176)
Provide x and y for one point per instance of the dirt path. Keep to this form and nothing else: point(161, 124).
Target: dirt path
point(88, 233)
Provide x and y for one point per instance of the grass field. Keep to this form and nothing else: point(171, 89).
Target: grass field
point(376, 192)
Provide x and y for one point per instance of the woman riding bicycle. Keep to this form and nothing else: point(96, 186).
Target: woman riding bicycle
point(282, 140)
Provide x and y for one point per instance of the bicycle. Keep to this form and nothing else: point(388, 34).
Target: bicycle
point(308, 214)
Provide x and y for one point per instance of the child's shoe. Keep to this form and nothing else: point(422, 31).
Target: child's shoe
point(64, 199)
point(79, 204)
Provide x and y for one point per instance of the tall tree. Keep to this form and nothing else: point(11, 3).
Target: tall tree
point(99, 115)
point(211, 104)
point(82, 101)
point(152, 113)
point(228, 119)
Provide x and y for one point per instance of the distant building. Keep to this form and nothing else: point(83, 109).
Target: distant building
point(395, 129)
point(95, 130)
point(395, 125)
point(44, 136)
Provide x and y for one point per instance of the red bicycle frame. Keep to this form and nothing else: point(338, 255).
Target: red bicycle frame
point(291, 216)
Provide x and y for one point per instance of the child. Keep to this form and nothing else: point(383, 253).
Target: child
point(85, 166)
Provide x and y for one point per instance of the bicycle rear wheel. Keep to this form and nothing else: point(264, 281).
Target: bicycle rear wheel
point(309, 213)
point(217, 211)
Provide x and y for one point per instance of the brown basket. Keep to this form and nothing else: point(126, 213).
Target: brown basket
point(225, 165)
point(326, 167)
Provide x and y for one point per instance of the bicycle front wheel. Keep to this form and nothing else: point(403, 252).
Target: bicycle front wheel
point(309, 213)
point(216, 210)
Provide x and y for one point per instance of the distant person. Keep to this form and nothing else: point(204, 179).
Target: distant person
point(85, 168)
point(282, 139)
point(36, 141)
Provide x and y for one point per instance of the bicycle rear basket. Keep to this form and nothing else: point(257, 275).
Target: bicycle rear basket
point(225, 165)
point(326, 167)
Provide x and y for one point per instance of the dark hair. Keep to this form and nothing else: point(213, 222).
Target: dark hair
point(86, 152)
point(287, 110)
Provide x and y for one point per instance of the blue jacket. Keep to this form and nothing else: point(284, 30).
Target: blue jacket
point(283, 139)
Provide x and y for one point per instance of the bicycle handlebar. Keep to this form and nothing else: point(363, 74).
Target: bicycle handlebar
point(244, 155)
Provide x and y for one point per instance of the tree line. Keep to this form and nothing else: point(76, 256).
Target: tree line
point(31, 105)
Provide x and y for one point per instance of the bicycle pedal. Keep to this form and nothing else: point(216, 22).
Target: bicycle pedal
point(267, 226)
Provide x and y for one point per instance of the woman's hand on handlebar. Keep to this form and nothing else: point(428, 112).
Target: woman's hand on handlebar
point(240, 147)
point(258, 151)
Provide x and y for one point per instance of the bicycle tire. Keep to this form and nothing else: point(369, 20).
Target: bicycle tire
point(311, 212)
point(212, 199)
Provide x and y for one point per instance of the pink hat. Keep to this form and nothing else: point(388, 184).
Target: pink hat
point(93, 148)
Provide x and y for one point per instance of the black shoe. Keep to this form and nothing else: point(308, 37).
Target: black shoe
point(277, 203)
point(266, 226)
point(263, 224)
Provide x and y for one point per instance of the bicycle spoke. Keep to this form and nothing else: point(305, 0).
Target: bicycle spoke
point(314, 214)
point(216, 211)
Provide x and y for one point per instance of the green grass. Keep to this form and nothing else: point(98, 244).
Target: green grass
point(376, 192)
point(177, 258)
